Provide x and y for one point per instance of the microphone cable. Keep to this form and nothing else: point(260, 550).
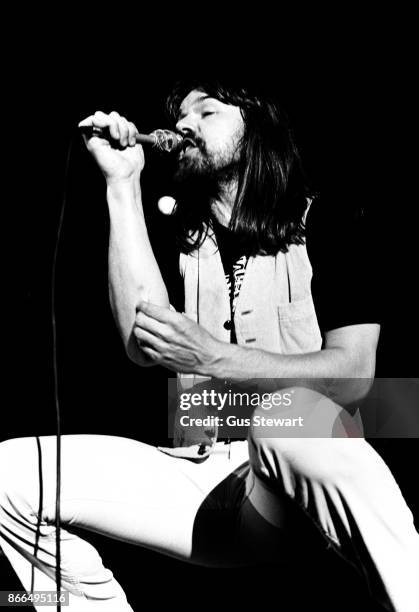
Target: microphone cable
point(56, 396)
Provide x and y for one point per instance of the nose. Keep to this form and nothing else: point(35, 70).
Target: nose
point(185, 126)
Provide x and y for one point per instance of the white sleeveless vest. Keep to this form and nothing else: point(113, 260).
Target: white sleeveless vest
point(274, 312)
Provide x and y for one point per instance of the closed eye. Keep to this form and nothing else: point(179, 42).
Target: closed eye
point(206, 113)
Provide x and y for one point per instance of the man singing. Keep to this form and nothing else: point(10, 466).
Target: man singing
point(250, 313)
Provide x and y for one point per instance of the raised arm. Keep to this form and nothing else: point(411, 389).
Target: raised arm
point(133, 271)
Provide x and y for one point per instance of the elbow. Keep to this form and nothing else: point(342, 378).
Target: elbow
point(137, 356)
point(363, 361)
point(358, 377)
point(140, 359)
point(364, 376)
point(354, 358)
point(361, 387)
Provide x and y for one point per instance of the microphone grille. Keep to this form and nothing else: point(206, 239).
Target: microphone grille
point(166, 140)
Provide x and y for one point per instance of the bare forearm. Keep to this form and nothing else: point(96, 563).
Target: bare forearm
point(323, 370)
point(239, 362)
point(133, 271)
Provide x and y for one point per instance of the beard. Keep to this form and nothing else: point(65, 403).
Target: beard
point(202, 166)
point(201, 177)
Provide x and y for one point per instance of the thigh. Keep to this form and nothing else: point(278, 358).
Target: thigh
point(115, 486)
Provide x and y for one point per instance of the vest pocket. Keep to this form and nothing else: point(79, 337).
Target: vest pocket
point(298, 327)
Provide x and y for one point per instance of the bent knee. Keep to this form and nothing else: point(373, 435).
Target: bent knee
point(300, 412)
point(322, 459)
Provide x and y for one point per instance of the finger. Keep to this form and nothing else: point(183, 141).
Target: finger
point(132, 133)
point(123, 131)
point(148, 339)
point(101, 119)
point(158, 329)
point(86, 122)
point(154, 355)
point(114, 127)
point(164, 315)
point(157, 358)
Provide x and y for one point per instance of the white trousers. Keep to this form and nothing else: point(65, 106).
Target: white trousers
point(240, 506)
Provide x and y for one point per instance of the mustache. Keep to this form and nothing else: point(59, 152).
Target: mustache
point(195, 141)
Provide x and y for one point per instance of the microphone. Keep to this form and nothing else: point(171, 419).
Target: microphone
point(164, 141)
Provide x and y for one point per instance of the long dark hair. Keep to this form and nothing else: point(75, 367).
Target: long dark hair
point(273, 189)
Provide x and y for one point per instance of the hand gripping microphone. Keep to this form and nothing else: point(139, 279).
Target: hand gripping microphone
point(164, 141)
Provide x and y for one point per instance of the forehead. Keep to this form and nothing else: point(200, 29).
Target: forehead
point(194, 98)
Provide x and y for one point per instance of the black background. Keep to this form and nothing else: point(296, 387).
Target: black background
point(346, 103)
